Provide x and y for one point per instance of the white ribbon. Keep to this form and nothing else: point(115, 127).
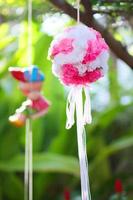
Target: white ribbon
point(28, 190)
point(71, 105)
point(26, 174)
point(83, 116)
point(87, 107)
point(28, 193)
point(70, 108)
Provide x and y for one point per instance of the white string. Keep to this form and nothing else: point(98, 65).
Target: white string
point(28, 193)
point(78, 11)
point(30, 162)
point(26, 175)
point(29, 32)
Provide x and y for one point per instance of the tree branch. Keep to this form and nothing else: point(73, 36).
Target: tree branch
point(116, 47)
point(88, 9)
point(117, 1)
point(111, 12)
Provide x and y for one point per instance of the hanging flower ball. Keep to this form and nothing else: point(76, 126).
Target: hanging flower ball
point(79, 55)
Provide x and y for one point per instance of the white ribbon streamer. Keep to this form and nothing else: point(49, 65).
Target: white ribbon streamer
point(30, 163)
point(71, 105)
point(87, 107)
point(70, 108)
point(28, 174)
point(28, 193)
point(83, 116)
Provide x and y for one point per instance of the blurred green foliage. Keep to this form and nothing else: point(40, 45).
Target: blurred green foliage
point(109, 138)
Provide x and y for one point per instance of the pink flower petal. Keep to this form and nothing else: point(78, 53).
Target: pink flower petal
point(70, 76)
point(94, 48)
point(64, 46)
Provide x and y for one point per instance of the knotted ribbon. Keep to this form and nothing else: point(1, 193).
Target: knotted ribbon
point(83, 117)
point(74, 94)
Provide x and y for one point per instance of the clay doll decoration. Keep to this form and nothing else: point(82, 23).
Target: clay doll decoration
point(30, 83)
point(79, 56)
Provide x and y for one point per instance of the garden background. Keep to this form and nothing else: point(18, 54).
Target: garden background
point(109, 138)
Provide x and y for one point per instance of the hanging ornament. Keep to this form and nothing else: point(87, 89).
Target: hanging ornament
point(30, 83)
point(79, 55)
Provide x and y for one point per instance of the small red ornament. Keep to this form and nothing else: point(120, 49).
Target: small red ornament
point(118, 186)
point(66, 194)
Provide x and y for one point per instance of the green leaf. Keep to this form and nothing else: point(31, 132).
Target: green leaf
point(43, 163)
point(113, 148)
point(12, 186)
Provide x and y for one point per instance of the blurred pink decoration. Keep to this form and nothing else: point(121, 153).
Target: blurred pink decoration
point(30, 83)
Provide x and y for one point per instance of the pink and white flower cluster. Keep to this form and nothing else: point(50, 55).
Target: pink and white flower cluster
point(79, 55)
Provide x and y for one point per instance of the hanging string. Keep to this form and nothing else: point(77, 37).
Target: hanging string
point(78, 11)
point(29, 32)
point(26, 174)
point(30, 162)
point(28, 193)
